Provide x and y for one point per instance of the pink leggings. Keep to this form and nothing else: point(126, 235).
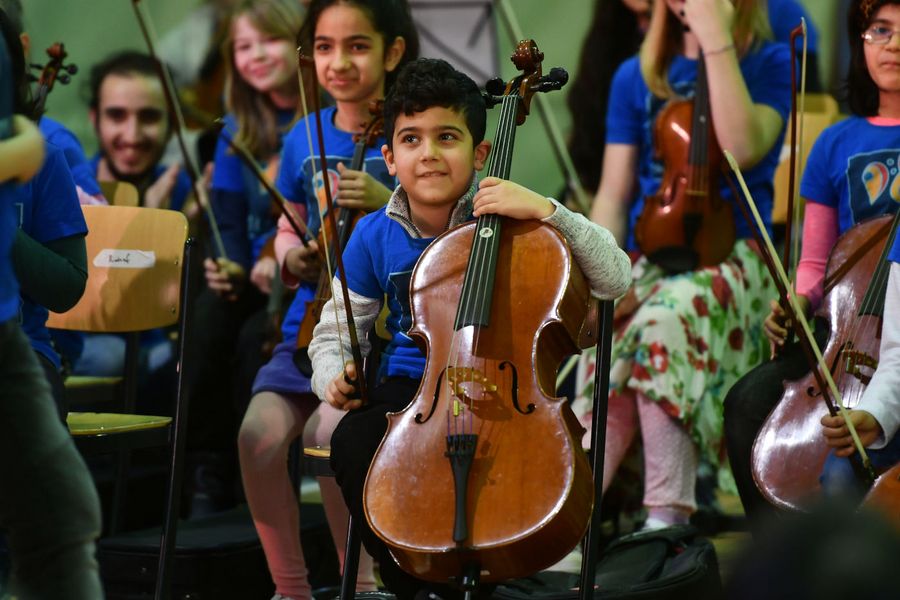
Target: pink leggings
point(272, 422)
point(670, 456)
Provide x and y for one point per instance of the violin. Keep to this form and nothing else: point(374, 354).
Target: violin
point(482, 476)
point(687, 224)
point(56, 70)
point(853, 305)
point(336, 240)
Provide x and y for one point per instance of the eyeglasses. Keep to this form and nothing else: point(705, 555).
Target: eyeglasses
point(879, 35)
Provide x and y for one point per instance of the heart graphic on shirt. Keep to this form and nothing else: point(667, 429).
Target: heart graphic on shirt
point(875, 178)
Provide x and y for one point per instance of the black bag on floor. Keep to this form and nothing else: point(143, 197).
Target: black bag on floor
point(665, 564)
point(215, 557)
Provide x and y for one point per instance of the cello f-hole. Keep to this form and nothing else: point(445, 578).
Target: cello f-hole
point(514, 389)
point(437, 392)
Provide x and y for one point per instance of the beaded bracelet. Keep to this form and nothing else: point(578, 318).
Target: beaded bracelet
point(721, 50)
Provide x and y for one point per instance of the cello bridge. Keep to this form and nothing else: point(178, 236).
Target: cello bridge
point(854, 359)
point(458, 376)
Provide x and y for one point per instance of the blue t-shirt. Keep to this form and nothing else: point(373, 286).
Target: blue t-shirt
point(84, 175)
point(633, 110)
point(9, 287)
point(894, 254)
point(854, 166)
point(784, 15)
point(180, 191)
point(246, 220)
point(47, 209)
point(380, 257)
point(297, 183)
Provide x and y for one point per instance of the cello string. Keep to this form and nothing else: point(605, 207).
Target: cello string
point(488, 246)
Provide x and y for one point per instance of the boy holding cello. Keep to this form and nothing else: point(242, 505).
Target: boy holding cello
point(434, 120)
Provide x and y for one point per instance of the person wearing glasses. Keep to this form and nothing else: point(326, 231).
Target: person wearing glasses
point(852, 174)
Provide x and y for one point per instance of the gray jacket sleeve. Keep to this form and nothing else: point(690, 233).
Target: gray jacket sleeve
point(330, 335)
point(606, 266)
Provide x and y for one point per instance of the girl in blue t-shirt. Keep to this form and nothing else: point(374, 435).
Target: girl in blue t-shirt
point(262, 96)
point(681, 340)
point(358, 46)
point(851, 175)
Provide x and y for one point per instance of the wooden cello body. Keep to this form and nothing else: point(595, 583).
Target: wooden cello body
point(530, 492)
point(789, 450)
point(482, 477)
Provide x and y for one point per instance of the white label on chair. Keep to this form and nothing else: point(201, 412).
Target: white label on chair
point(125, 259)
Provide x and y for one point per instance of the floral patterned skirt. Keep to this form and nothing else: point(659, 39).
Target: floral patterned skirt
point(684, 339)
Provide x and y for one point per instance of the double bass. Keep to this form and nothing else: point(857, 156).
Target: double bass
point(687, 224)
point(482, 476)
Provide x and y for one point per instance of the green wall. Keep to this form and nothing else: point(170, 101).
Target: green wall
point(93, 28)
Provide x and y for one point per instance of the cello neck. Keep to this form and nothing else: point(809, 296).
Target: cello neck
point(478, 283)
point(873, 302)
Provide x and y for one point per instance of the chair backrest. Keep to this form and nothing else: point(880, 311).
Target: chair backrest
point(119, 193)
point(821, 111)
point(135, 262)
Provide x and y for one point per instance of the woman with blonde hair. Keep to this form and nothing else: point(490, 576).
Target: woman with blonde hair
point(681, 339)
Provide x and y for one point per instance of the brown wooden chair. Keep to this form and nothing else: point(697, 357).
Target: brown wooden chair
point(138, 262)
point(120, 193)
point(821, 111)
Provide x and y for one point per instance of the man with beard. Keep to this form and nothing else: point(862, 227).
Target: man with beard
point(129, 114)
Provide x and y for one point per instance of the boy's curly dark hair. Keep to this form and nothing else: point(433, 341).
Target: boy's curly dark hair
point(429, 82)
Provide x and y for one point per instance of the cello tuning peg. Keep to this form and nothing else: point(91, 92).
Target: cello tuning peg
point(554, 80)
point(490, 100)
point(36, 65)
point(71, 69)
point(495, 86)
point(32, 77)
point(63, 78)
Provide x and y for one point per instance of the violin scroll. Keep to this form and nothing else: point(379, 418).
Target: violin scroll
point(56, 70)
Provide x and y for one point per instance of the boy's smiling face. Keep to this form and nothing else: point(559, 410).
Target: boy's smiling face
point(433, 156)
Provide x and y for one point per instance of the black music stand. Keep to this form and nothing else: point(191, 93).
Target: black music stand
point(598, 445)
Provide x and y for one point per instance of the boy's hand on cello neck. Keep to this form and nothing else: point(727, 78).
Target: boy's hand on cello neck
point(777, 323)
point(502, 197)
point(224, 277)
point(340, 390)
point(303, 262)
point(359, 190)
point(837, 435)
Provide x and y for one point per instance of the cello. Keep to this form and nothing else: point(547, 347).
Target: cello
point(482, 477)
point(852, 305)
point(687, 224)
point(789, 451)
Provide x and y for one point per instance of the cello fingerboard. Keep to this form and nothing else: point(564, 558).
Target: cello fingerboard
point(478, 283)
